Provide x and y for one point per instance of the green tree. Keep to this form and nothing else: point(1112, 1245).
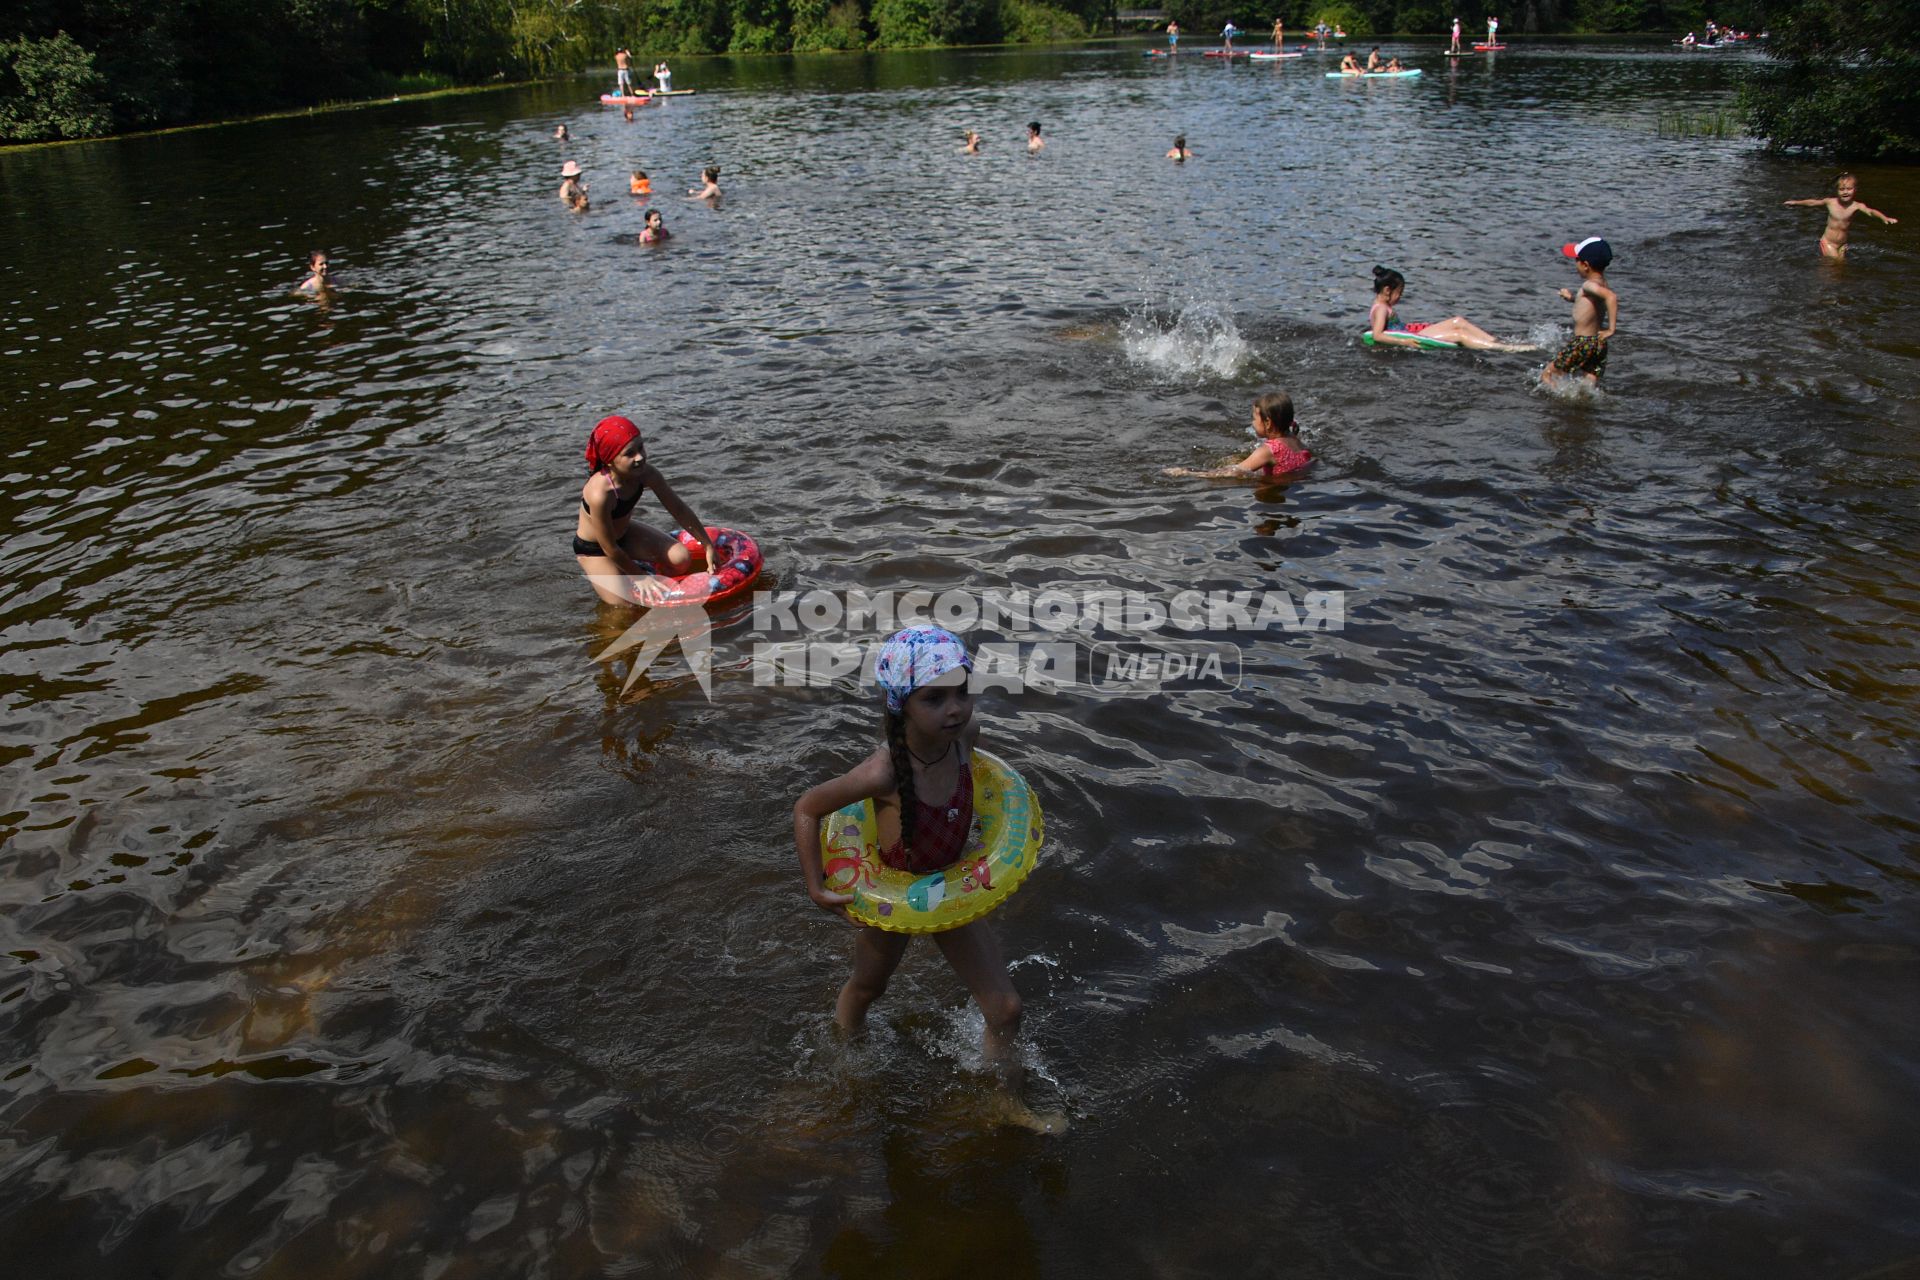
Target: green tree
point(1421, 17)
point(819, 25)
point(49, 89)
point(1035, 22)
point(903, 24)
point(759, 26)
point(1844, 78)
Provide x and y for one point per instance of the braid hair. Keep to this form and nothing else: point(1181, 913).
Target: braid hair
point(902, 773)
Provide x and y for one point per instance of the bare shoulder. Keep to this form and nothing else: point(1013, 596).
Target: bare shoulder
point(876, 771)
point(871, 779)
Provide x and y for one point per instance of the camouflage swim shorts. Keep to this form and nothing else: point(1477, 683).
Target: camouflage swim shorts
point(1582, 355)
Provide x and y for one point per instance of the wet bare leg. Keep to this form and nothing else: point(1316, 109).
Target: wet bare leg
point(652, 546)
point(876, 954)
point(644, 543)
point(975, 955)
point(1468, 334)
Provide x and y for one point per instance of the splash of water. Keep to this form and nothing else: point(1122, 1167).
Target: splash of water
point(1549, 338)
point(1202, 339)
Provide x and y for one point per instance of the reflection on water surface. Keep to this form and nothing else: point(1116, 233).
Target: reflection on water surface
point(1552, 918)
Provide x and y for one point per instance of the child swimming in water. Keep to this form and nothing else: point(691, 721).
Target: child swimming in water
point(1179, 154)
point(1280, 452)
point(620, 555)
point(971, 144)
point(640, 184)
point(656, 229)
point(1840, 207)
point(1390, 331)
point(316, 281)
point(931, 735)
point(709, 188)
point(1035, 143)
point(573, 188)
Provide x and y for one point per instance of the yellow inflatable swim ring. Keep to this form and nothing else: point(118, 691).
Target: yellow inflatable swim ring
point(1001, 849)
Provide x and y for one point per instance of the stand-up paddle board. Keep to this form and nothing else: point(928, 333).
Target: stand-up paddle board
point(1372, 75)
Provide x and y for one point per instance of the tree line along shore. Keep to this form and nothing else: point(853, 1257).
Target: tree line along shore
point(1838, 78)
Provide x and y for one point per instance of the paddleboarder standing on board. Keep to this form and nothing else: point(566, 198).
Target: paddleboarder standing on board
point(1455, 46)
point(1227, 34)
point(1173, 37)
point(622, 73)
point(1493, 30)
point(663, 76)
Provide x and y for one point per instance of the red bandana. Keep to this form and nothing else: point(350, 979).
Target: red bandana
point(610, 437)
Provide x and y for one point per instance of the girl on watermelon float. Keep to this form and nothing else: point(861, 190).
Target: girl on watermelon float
point(921, 783)
point(622, 557)
point(1389, 330)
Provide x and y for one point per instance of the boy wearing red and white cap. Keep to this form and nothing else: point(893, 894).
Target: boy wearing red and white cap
point(1596, 314)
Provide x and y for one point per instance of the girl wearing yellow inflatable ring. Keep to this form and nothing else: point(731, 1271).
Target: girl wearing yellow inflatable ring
point(901, 834)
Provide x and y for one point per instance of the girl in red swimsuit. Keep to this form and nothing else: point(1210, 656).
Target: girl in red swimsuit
point(1280, 454)
point(921, 783)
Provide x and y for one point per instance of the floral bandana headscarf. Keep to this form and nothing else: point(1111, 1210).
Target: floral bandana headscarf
point(915, 658)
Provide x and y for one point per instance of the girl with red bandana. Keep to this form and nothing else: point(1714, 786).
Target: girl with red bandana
point(622, 557)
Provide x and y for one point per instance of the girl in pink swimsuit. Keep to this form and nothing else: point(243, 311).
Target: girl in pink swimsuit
point(930, 737)
point(1280, 454)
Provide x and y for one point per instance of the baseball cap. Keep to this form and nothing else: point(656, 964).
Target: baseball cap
point(1593, 251)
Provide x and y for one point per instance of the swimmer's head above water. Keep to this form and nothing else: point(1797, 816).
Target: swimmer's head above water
point(1274, 411)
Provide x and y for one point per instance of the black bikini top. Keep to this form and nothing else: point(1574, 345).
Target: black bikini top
point(621, 506)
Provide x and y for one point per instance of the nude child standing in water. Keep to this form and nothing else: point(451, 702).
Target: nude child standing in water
point(1840, 207)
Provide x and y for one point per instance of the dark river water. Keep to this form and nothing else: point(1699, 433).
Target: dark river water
point(1556, 917)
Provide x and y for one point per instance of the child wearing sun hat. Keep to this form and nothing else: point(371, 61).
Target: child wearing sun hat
point(573, 192)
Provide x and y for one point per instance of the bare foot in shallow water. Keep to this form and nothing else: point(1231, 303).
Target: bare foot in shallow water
point(1005, 1109)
